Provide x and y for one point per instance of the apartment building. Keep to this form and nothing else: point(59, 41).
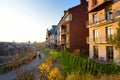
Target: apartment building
point(104, 16)
point(72, 31)
point(51, 37)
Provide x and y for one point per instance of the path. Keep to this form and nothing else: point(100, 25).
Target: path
point(33, 65)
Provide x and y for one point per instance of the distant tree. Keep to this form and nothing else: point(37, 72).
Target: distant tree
point(37, 44)
point(28, 41)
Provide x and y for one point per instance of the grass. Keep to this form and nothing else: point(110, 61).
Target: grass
point(81, 64)
point(81, 68)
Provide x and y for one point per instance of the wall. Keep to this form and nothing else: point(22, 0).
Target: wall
point(78, 30)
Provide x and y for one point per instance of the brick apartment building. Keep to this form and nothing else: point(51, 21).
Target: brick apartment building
point(72, 31)
point(104, 16)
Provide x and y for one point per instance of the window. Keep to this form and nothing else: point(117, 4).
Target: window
point(95, 18)
point(95, 35)
point(109, 52)
point(109, 32)
point(95, 51)
point(94, 2)
point(109, 14)
point(68, 18)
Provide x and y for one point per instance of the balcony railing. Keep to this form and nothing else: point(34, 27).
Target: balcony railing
point(117, 14)
point(64, 31)
point(115, 1)
point(100, 22)
point(63, 42)
point(98, 4)
point(98, 40)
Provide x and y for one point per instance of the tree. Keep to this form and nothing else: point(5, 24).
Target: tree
point(115, 40)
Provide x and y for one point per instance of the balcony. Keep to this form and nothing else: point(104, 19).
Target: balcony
point(98, 4)
point(98, 40)
point(117, 15)
point(63, 42)
point(115, 1)
point(64, 31)
point(99, 23)
point(67, 19)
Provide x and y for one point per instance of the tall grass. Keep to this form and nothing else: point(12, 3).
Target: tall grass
point(71, 63)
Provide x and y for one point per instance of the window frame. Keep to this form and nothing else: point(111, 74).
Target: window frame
point(95, 18)
point(95, 35)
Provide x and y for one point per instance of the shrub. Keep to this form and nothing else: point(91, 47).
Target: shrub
point(55, 74)
point(47, 70)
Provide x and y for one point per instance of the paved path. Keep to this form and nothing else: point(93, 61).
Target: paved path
point(33, 65)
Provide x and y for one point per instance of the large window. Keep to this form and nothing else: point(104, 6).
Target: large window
point(109, 52)
point(94, 2)
point(109, 14)
point(95, 18)
point(109, 32)
point(95, 48)
point(95, 35)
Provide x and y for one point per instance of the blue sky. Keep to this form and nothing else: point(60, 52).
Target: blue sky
point(27, 20)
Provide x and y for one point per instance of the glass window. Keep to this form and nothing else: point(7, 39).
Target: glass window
point(109, 14)
point(95, 18)
point(109, 52)
point(95, 35)
point(95, 51)
point(109, 32)
point(94, 2)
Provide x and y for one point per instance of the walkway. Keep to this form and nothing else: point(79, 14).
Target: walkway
point(32, 66)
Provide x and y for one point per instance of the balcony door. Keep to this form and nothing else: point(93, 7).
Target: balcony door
point(95, 18)
point(109, 53)
point(95, 48)
point(109, 14)
point(95, 35)
point(109, 32)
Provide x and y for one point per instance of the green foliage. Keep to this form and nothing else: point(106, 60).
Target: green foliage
point(45, 51)
point(71, 63)
point(81, 68)
point(115, 40)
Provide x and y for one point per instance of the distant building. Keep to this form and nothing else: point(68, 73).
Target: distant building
point(72, 31)
point(51, 37)
point(104, 16)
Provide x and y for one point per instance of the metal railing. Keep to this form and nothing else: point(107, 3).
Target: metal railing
point(99, 40)
point(64, 31)
point(99, 22)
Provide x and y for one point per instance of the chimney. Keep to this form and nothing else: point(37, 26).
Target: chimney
point(82, 1)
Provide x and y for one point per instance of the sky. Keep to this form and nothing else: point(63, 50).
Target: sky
point(27, 20)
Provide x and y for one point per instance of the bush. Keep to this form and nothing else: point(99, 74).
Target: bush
point(47, 70)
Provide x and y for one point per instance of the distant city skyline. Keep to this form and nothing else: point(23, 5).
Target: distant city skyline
point(27, 20)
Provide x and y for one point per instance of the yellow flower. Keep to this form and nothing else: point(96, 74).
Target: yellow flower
point(44, 68)
point(55, 74)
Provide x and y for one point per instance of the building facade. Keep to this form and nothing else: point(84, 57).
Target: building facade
point(104, 16)
point(51, 37)
point(72, 31)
